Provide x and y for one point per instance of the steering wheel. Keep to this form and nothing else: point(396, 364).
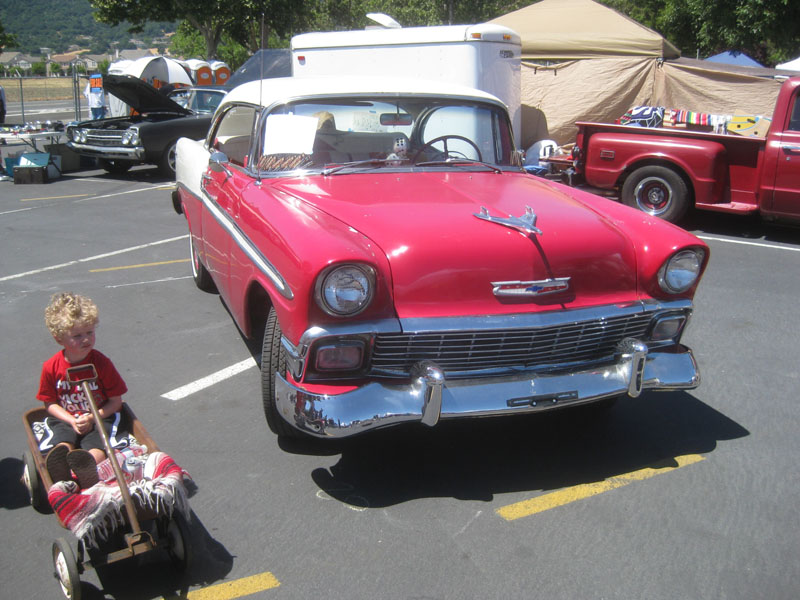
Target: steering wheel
point(443, 139)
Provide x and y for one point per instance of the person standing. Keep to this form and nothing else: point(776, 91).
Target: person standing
point(96, 96)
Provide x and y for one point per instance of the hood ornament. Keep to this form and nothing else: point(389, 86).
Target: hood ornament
point(525, 224)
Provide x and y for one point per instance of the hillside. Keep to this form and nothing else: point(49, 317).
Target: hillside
point(57, 24)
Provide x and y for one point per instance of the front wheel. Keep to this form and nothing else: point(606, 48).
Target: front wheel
point(201, 276)
point(273, 360)
point(166, 165)
point(66, 569)
point(658, 191)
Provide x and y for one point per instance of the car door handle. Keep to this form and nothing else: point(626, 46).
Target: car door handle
point(791, 149)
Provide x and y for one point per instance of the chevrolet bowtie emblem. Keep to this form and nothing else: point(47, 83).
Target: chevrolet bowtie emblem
point(519, 289)
point(526, 223)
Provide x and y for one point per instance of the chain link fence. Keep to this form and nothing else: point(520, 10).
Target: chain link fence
point(33, 89)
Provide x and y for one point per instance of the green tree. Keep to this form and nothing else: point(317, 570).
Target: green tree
point(38, 68)
point(335, 15)
point(6, 39)
point(767, 30)
point(211, 18)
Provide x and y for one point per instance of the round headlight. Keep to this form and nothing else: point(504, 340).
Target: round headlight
point(681, 271)
point(81, 135)
point(130, 137)
point(346, 290)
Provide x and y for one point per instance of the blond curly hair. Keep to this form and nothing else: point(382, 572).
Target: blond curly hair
point(66, 310)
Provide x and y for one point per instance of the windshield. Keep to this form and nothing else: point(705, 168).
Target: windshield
point(198, 101)
point(381, 133)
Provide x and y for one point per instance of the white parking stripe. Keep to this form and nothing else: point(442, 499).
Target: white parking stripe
point(744, 243)
point(91, 258)
point(208, 381)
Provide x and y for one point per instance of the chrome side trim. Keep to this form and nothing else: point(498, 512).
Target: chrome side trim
point(253, 253)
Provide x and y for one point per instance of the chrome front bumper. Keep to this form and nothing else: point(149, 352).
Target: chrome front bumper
point(429, 397)
point(134, 153)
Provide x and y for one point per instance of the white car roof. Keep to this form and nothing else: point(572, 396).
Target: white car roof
point(267, 92)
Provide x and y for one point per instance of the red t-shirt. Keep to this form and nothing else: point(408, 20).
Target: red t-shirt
point(53, 386)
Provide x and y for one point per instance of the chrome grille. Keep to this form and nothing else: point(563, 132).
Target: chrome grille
point(104, 137)
point(462, 352)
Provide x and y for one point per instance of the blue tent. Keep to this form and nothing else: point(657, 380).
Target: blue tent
point(732, 57)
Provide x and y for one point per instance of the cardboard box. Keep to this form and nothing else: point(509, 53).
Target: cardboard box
point(70, 161)
point(30, 175)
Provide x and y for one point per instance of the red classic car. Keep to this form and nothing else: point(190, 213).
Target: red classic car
point(403, 267)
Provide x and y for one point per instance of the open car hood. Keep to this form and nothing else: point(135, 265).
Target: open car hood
point(140, 95)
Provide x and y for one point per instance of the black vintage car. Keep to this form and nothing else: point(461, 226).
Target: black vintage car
point(149, 134)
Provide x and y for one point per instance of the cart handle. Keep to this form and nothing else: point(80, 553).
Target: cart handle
point(84, 375)
point(81, 373)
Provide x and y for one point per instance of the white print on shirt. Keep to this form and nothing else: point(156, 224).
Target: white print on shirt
point(72, 398)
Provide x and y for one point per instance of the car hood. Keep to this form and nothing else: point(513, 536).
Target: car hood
point(140, 95)
point(447, 261)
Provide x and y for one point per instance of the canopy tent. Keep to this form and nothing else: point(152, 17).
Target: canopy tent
point(264, 64)
point(732, 57)
point(158, 71)
point(792, 65)
point(570, 29)
point(582, 61)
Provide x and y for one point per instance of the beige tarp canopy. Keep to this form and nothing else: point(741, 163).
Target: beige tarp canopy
point(569, 29)
point(583, 61)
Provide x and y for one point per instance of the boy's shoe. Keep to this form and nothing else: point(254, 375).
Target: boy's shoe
point(84, 467)
point(57, 465)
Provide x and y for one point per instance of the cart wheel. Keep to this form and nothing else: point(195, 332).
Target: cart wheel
point(179, 546)
point(33, 483)
point(66, 569)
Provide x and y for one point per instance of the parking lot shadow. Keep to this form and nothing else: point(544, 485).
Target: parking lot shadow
point(476, 459)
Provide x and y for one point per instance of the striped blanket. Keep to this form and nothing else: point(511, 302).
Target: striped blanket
point(93, 513)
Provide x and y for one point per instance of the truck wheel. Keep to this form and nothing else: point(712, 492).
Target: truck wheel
point(273, 359)
point(166, 165)
point(658, 191)
point(115, 167)
point(201, 276)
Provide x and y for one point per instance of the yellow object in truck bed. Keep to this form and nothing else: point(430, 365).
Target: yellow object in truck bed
point(750, 125)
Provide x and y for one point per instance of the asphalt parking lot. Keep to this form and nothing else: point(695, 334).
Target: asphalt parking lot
point(673, 495)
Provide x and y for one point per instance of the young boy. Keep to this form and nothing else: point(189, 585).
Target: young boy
point(71, 438)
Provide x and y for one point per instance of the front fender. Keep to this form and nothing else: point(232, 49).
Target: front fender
point(299, 241)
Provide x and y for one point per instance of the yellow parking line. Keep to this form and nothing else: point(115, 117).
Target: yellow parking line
point(578, 492)
point(232, 589)
point(155, 264)
point(53, 197)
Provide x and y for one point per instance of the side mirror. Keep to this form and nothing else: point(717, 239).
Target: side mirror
point(218, 162)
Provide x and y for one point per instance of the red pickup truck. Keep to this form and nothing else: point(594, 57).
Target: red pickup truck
point(664, 170)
